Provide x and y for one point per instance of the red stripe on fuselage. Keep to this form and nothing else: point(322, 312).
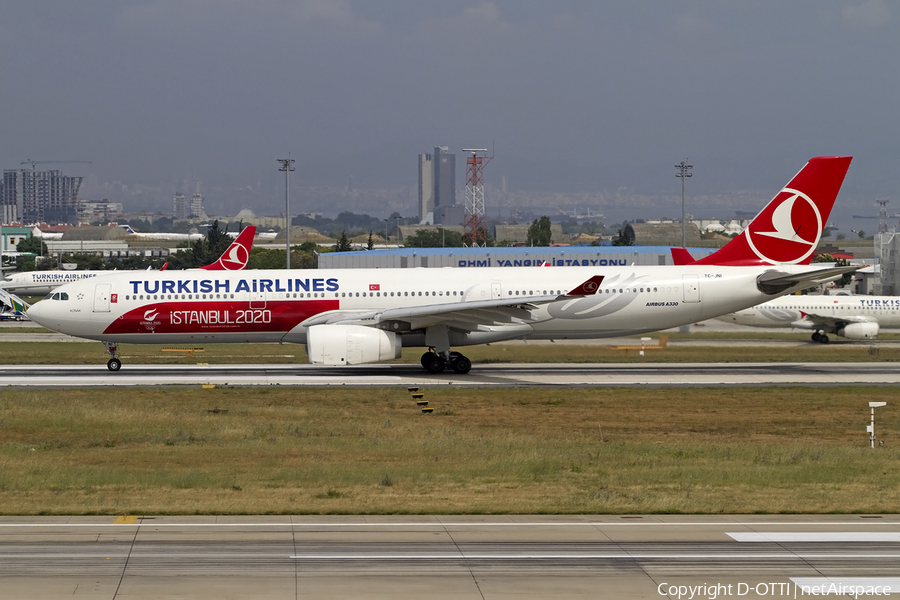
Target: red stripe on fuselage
point(219, 316)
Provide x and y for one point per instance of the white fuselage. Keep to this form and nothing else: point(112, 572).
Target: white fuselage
point(801, 311)
point(41, 283)
point(272, 305)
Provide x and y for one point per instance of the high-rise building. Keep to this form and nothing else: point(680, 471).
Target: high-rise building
point(31, 196)
point(444, 179)
point(437, 185)
point(426, 188)
point(181, 210)
point(197, 206)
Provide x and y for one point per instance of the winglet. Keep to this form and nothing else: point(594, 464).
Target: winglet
point(681, 257)
point(237, 254)
point(588, 288)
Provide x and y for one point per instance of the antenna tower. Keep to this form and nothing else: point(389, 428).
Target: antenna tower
point(882, 216)
point(474, 234)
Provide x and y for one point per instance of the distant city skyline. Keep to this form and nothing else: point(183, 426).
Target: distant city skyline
point(575, 96)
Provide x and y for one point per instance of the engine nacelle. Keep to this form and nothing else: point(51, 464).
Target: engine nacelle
point(333, 345)
point(859, 331)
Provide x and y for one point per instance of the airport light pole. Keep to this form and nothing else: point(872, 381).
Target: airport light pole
point(683, 173)
point(287, 167)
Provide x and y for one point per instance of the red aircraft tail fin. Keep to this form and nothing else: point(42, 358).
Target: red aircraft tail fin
point(237, 254)
point(680, 256)
point(788, 229)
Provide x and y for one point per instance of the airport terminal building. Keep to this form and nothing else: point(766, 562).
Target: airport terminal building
point(514, 256)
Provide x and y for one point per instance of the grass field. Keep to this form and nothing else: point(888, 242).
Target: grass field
point(298, 450)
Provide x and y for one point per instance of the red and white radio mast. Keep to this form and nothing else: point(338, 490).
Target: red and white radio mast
point(474, 234)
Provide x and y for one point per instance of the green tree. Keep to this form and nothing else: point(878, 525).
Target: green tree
point(625, 237)
point(34, 245)
point(266, 258)
point(539, 233)
point(343, 244)
point(371, 243)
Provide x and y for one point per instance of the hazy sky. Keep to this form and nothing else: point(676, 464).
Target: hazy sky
point(576, 94)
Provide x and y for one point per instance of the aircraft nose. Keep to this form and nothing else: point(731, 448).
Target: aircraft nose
point(36, 312)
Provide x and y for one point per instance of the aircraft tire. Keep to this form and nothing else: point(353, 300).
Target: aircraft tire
point(435, 364)
point(823, 338)
point(114, 364)
point(426, 359)
point(816, 337)
point(461, 365)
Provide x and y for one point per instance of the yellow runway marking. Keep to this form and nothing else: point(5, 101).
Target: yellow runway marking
point(126, 520)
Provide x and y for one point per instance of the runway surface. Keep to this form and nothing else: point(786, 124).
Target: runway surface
point(499, 375)
point(458, 557)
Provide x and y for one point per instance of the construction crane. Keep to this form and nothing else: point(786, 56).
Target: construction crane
point(50, 162)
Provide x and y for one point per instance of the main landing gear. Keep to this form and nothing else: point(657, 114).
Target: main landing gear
point(114, 363)
point(436, 363)
point(820, 337)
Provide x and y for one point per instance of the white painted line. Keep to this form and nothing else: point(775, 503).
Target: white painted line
point(151, 523)
point(816, 536)
point(626, 556)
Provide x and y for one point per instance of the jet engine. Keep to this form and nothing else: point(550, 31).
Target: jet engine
point(333, 345)
point(859, 331)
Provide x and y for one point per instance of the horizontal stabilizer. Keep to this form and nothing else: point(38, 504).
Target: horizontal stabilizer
point(776, 282)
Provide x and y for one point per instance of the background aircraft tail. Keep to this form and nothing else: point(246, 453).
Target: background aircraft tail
point(788, 229)
point(237, 254)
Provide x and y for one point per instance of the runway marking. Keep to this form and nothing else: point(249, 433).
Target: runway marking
point(595, 524)
point(816, 536)
point(125, 520)
point(625, 556)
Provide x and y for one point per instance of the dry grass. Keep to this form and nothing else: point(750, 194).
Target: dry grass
point(284, 451)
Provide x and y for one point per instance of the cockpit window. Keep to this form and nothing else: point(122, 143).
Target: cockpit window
point(64, 295)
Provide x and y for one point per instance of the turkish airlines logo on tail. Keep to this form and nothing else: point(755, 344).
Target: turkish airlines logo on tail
point(235, 258)
point(788, 230)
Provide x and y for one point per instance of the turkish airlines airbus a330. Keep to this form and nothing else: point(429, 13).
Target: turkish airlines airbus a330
point(356, 316)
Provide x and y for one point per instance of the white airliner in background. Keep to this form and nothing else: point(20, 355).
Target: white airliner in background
point(356, 316)
point(852, 317)
point(39, 283)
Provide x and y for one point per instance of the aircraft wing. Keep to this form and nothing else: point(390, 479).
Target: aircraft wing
point(467, 316)
point(776, 282)
point(458, 315)
point(822, 321)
